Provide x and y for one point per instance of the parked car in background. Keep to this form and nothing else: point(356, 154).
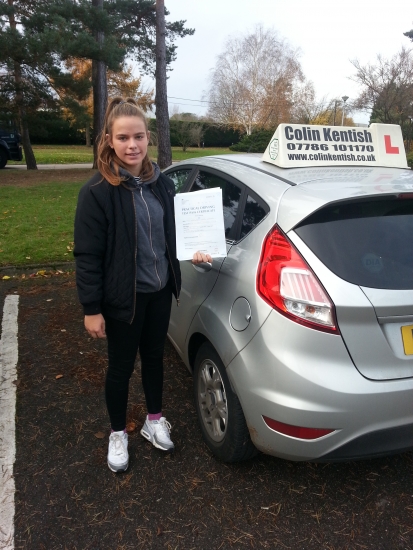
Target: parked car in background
point(10, 148)
point(300, 340)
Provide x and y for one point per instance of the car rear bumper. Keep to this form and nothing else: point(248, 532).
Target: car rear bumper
point(374, 444)
point(304, 377)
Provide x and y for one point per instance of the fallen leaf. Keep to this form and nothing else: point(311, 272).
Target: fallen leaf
point(28, 258)
point(41, 272)
point(99, 435)
point(63, 330)
point(49, 300)
point(159, 531)
point(6, 278)
point(130, 427)
point(16, 382)
point(59, 376)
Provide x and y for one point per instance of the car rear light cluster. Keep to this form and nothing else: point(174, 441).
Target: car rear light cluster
point(285, 282)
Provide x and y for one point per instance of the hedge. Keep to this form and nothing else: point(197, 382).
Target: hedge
point(255, 143)
point(50, 127)
point(214, 136)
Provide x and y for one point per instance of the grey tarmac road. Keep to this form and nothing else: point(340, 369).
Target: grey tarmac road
point(66, 497)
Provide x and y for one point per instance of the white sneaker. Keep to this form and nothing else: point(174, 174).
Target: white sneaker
point(118, 457)
point(157, 432)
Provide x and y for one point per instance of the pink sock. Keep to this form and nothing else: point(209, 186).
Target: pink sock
point(156, 416)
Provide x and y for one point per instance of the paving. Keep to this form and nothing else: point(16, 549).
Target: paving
point(49, 166)
point(66, 497)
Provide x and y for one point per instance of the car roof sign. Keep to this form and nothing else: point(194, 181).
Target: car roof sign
point(299, 145)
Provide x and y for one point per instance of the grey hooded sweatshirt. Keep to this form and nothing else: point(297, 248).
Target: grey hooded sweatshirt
point(152, 271)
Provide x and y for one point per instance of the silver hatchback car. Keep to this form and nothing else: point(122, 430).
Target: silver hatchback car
point(300, 340)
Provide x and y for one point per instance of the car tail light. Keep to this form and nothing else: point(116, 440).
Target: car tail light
point(296, 431)
point(285, 282)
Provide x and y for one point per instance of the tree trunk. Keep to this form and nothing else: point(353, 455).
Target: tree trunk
point(19, 99)
point(161, 98)
point(27, 146)
point(100, 90)
point(88, 142)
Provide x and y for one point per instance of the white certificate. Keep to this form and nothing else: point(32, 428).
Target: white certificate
point(199, 223)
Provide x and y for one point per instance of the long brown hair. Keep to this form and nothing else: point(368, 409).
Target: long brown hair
point(108, 162)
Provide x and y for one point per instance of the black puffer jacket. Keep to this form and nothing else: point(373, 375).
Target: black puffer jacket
point(106, 244)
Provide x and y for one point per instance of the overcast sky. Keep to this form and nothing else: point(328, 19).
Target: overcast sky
point(328, 33)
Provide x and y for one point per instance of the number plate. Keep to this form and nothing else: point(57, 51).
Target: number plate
point(407, 337)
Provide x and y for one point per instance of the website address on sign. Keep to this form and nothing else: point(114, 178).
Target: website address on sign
point(329, 157)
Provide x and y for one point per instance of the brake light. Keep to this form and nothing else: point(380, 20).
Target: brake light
point(286, 283)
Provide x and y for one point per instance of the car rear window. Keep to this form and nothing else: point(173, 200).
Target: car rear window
point(368, 243)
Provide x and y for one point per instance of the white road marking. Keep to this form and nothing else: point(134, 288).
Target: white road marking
point(8, 374)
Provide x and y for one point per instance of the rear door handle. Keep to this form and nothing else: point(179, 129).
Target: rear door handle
point(203, 267)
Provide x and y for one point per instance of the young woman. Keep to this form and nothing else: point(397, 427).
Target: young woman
point(127, 270)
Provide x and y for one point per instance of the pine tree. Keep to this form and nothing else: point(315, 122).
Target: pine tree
point(37, 36)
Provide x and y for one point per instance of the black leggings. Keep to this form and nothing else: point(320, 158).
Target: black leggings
point(146, 333)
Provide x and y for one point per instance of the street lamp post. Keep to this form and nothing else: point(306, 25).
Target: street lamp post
point(335, 111)
point(344, 98)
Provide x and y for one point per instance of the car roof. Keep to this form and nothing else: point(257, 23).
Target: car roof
point(305, 190)
point(298, 176)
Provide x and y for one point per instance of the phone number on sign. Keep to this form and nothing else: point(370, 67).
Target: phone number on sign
point(325, 147)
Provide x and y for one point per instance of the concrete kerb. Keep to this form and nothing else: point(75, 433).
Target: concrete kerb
point(11, 270)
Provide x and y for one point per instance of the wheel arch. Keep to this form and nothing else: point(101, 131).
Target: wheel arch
point(195, 342)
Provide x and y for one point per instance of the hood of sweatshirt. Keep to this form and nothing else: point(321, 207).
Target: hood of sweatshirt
point(130, 180)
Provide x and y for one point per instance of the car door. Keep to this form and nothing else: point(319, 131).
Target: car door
point(199, 280)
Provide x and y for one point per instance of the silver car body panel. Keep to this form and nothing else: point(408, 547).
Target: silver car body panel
point(198, 285)
point(237, 279)
point(306, 378)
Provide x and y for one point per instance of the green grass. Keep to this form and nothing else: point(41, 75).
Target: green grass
point(61, 154)
point(79, 154)
point(36, 223)
point(191, 152)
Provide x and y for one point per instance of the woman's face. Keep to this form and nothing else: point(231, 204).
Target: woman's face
point(129, 140)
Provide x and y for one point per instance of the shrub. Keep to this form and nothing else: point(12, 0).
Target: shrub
point(255, 143)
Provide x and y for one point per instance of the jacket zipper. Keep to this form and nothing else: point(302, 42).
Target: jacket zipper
point(170, 259)
point(150, 237)
point(136, 251)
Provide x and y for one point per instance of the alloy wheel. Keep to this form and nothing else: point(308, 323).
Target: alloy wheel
point(212, 400)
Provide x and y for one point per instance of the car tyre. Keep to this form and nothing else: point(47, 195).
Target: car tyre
point(3, 158)
point(219, 411)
